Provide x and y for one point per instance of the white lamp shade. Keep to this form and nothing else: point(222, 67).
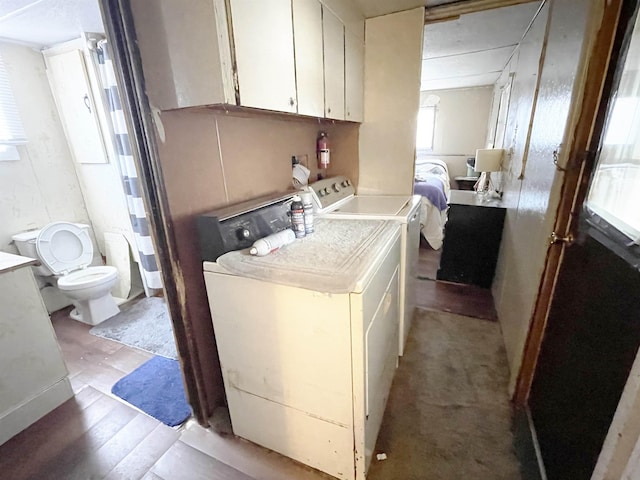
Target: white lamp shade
point(488, 160)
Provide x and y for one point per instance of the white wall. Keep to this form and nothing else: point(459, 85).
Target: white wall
point(531, 183)
point(462, 118)
point(391, 99)
point(42, 186)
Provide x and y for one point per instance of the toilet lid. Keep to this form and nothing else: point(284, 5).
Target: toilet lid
point(64, 247)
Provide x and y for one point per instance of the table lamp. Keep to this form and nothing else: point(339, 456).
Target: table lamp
point(487, 160)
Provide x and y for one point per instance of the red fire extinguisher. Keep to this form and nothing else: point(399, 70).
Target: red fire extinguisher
point(322, 150)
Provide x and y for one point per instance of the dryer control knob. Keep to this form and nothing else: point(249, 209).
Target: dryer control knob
point(243, 233)
point(336, 187)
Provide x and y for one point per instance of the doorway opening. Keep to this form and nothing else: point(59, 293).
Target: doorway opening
point(74, 164)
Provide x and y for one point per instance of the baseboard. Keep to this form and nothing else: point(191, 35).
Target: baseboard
point(526, 446)
point(32, 410)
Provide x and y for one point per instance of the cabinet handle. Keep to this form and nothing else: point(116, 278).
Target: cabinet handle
point(86, 102)
point(329, 110)
point(291, 101)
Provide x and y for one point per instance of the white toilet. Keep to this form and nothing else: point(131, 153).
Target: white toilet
point(66, 251)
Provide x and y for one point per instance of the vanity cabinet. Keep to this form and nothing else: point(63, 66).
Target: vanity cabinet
point(33, 379)
point(279, 55)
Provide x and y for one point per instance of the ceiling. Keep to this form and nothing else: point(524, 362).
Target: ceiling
point(472, 50)
point(48, 22)
point(375, 8)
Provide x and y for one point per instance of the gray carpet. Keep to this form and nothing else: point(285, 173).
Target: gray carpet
point(144, 324)
point(448, 415)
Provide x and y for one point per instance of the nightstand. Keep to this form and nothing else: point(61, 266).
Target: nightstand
point(465, 183)
point(472, 238)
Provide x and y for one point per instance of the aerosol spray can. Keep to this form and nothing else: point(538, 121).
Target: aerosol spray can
point(272, 242)
point(307, 204)
point(297, 216)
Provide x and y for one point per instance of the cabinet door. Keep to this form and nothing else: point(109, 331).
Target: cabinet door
point(353, 77)
point(333, 33)
point(71, 90)
point(307, 31)
point(263, 38)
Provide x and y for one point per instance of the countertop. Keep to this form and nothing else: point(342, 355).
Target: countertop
point(10, 262)
point(466, 197)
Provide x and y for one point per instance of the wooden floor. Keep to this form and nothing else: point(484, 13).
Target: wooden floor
point(93, 360)
point(467, 300)
point(96, 435)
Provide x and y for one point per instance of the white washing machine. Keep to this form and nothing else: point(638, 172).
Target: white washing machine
point(307, 336)
point(335, 198)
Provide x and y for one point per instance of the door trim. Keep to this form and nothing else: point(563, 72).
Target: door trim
point(118, 22)
point(587, 119)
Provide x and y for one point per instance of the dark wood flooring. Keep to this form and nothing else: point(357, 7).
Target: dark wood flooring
point(431, 294)
point(93, 360)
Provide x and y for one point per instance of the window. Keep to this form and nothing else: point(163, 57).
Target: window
point(11, 131)
point(426, 127)
point(612, 206)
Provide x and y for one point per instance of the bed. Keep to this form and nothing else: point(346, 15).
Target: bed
point(432, 184)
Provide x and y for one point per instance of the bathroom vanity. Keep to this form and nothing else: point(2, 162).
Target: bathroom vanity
point(33, 377)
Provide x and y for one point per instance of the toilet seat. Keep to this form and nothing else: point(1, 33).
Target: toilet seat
point(64, 247)
point(87, 278)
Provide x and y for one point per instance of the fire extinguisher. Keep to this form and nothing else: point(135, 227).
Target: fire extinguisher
point(322, 150)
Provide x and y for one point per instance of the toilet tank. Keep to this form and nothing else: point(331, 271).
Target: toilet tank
point(26, 244)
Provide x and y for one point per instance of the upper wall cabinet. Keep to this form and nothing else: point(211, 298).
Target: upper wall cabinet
point(353, 77)
point(280, 55)
point(74, 98)
point(307, 34)
point(263, 39)
point(333, 35)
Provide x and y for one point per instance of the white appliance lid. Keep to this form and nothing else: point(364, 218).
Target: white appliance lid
point(337, 258)
point(64, 247)
point(374, 205)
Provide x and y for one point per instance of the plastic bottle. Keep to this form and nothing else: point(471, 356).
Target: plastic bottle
point(297, 216)
point(307, 205)
point(322, 150)
point(272, 242)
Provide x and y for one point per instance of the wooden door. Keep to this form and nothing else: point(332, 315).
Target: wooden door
point(263, 39)
point(593, 326)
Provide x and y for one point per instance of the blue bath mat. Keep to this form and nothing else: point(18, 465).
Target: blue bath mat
point(155, 387)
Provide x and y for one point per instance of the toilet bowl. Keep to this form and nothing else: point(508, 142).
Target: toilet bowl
point(90, 291)
point(65, 250)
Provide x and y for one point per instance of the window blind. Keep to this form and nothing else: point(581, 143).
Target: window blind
point(11, 130)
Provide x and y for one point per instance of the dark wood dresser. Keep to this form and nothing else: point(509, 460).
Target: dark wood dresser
point(472, 238)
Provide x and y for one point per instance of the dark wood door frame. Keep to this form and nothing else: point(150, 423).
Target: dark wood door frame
point(118, 21)
point(602, 53)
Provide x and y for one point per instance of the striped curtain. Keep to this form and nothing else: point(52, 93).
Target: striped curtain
point(132, 188)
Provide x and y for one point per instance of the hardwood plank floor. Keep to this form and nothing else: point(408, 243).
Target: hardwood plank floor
point(467, 300)
point(201, 466)
point(92, 360)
